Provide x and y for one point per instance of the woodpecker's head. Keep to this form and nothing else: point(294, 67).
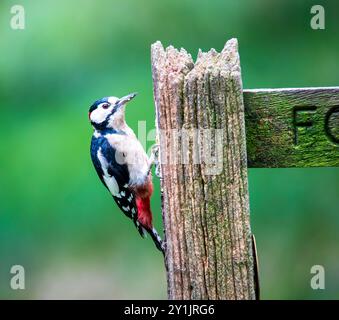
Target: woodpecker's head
point(109, 112)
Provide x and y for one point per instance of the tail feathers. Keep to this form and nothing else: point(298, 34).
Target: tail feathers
point(142, 231)
point(154, 235)
point(143, 221)
point(157, 240)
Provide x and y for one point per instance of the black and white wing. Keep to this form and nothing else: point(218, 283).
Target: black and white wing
point(115, 177)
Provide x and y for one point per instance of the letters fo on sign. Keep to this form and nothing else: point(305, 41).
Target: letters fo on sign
point(292, 127)
point(309, 112)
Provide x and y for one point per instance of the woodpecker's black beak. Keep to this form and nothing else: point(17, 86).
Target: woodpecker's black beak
point(122, 101)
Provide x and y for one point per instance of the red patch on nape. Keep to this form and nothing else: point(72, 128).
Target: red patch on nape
point(89, 115)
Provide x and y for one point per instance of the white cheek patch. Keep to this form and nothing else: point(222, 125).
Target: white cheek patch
point(100, 114)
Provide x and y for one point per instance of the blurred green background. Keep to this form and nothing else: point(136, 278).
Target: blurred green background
point(58, 221)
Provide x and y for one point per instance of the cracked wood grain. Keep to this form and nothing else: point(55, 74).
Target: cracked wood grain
point(205, 204)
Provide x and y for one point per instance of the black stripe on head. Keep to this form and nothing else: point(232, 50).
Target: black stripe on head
point(96, 103)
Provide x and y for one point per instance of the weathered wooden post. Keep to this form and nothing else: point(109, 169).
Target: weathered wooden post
point(201, 131)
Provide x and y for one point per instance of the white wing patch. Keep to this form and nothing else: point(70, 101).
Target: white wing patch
point(110, 181)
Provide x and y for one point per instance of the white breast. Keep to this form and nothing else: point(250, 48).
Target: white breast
point(130, 151)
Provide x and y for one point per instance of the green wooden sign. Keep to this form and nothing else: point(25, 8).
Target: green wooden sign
point(292, 127)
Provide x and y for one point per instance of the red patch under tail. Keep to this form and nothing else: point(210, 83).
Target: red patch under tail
point(144, 212)
point(143, 195)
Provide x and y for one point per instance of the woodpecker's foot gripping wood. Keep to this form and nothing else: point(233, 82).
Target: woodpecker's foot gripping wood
point(154, 159)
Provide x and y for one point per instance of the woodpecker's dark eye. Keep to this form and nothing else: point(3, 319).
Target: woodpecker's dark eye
point(105, 105)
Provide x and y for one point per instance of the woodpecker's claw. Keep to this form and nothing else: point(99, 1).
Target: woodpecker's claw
point(155, 152)
point(154, 158)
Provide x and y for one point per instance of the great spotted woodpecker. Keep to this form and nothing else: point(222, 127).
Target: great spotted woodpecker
point(122, 164)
